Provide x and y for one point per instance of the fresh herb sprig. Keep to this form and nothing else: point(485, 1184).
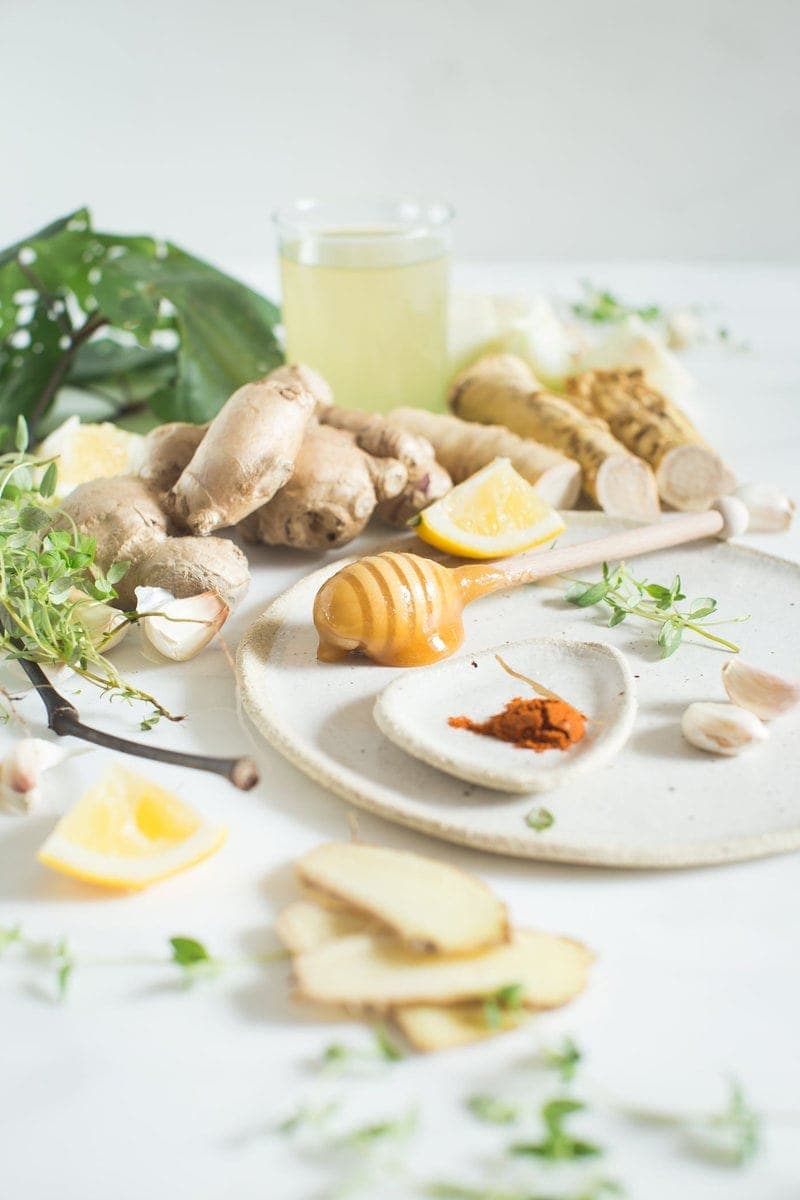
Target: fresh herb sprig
point(602, 307)
point(625, 596)
point(506, 999)
point(558, 1144)
point(49, 579)
point(341, 1059)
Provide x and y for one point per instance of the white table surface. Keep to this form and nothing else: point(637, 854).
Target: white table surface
point(135, 1088)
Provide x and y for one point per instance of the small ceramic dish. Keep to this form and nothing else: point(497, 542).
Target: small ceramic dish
point(595, 678)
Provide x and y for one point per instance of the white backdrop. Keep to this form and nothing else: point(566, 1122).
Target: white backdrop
point(559, 128)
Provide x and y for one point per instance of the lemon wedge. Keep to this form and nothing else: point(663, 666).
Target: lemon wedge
point(90, 451)
point(493, 513)
point(127, 832)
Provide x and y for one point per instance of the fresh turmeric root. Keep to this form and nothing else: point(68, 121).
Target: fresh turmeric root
point(689, 474)
point(502, 388)
point(463, 447)
point(331, 495)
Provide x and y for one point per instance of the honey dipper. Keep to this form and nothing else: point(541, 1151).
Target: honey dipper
point(402, 610)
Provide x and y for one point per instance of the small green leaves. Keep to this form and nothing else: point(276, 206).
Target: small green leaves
point(395, 1129)
point(558, 1144)
point(9, 934)
point(506, 999)
point(539, 819)
point(602, 307)
point(21, 435)
point(733, 1135)
point(193, 958)
point(340, 1059)
point(308, 1116)
point(564, 1059)
point(626, 596)
point(493, 1109)
point(386, 1046)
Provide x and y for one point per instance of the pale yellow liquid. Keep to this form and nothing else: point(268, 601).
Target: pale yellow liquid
point(368, 310)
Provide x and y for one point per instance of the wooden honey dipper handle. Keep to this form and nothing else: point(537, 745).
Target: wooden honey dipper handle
point(727, 518)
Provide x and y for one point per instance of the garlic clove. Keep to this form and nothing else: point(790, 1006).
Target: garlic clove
point(721, 728)
point(21, 773)
point(107, 626)
point(760, 692)
point(770, 509)
point(180, 629)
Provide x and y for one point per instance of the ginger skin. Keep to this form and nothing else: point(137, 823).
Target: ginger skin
point(165, 452)
point(247, 454)
point(124, 517)
point(189, 566)
point(330, 496)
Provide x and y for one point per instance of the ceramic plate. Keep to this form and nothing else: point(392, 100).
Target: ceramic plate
point(660, 803)
point(593, 676)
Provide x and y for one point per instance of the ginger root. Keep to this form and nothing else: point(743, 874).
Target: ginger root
point(330, 496)
point(165, 452)
point(123, 515)
point(689, 474)
point(383, 436)
point(463, 447)
point(190, 566)
point(503, 388)
point(247, 454)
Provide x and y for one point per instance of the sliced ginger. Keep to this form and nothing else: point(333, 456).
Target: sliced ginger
point(429, 905)
point(369, 971)
point(430, 1027)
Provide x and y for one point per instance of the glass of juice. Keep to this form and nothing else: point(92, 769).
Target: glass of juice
point(365, 289)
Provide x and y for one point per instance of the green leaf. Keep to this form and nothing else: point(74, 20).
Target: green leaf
point(116, 571)
point(386, 1046)
point(9, 934)
point(564, 1059)
point(493, 1110)
point(702, 607)
point(187, 952)
point(49, 480)
point(617, 617)
point(539, 819)
point(591, 595)
point(669, 637)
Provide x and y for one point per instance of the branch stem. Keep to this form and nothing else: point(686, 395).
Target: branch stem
point(64, 720)
point(59, 372)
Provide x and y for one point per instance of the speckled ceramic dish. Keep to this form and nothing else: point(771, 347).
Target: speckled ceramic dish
point(659, 803)
point(594, 677)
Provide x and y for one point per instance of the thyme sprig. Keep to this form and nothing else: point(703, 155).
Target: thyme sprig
point(625, 596)
point(602, 307)
point(49, 579)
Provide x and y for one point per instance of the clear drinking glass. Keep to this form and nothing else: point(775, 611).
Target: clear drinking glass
point(365, 292)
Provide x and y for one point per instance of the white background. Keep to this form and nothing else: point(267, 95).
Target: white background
point(627, 128)
point(563, 131)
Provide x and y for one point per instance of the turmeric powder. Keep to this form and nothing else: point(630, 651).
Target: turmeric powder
point(541, 723)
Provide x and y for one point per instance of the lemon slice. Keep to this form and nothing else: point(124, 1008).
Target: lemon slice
point(493, 513)
point(91, 451)
point(127, 832)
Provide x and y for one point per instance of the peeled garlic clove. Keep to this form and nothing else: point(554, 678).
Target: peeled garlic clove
point(21, 773)
point(106, 625)
point(721, 728)
point(769, 508)
point(760, 692)
point(179, 629)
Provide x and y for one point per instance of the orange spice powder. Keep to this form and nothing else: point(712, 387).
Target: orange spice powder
point(536, 724)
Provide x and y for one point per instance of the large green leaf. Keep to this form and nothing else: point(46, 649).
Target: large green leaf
point(25, 371)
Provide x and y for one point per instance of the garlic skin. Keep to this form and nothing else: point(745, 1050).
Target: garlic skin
point(181, 628)
point(21, 773)
point(107, 626)
point(721, 728)
point(771, 511)
point(760, 692)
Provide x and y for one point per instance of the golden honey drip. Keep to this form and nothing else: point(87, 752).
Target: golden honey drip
point(400, 610)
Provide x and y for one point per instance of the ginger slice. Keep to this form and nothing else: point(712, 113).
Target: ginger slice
point(430, 905)
point(369, 971)
point(304, 925)
point(431, 1027)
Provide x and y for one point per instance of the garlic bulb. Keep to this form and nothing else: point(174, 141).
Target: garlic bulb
point(760, 692)
point(179, 629)
point(721, 728)
point(770, 509)
point(21, 773)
